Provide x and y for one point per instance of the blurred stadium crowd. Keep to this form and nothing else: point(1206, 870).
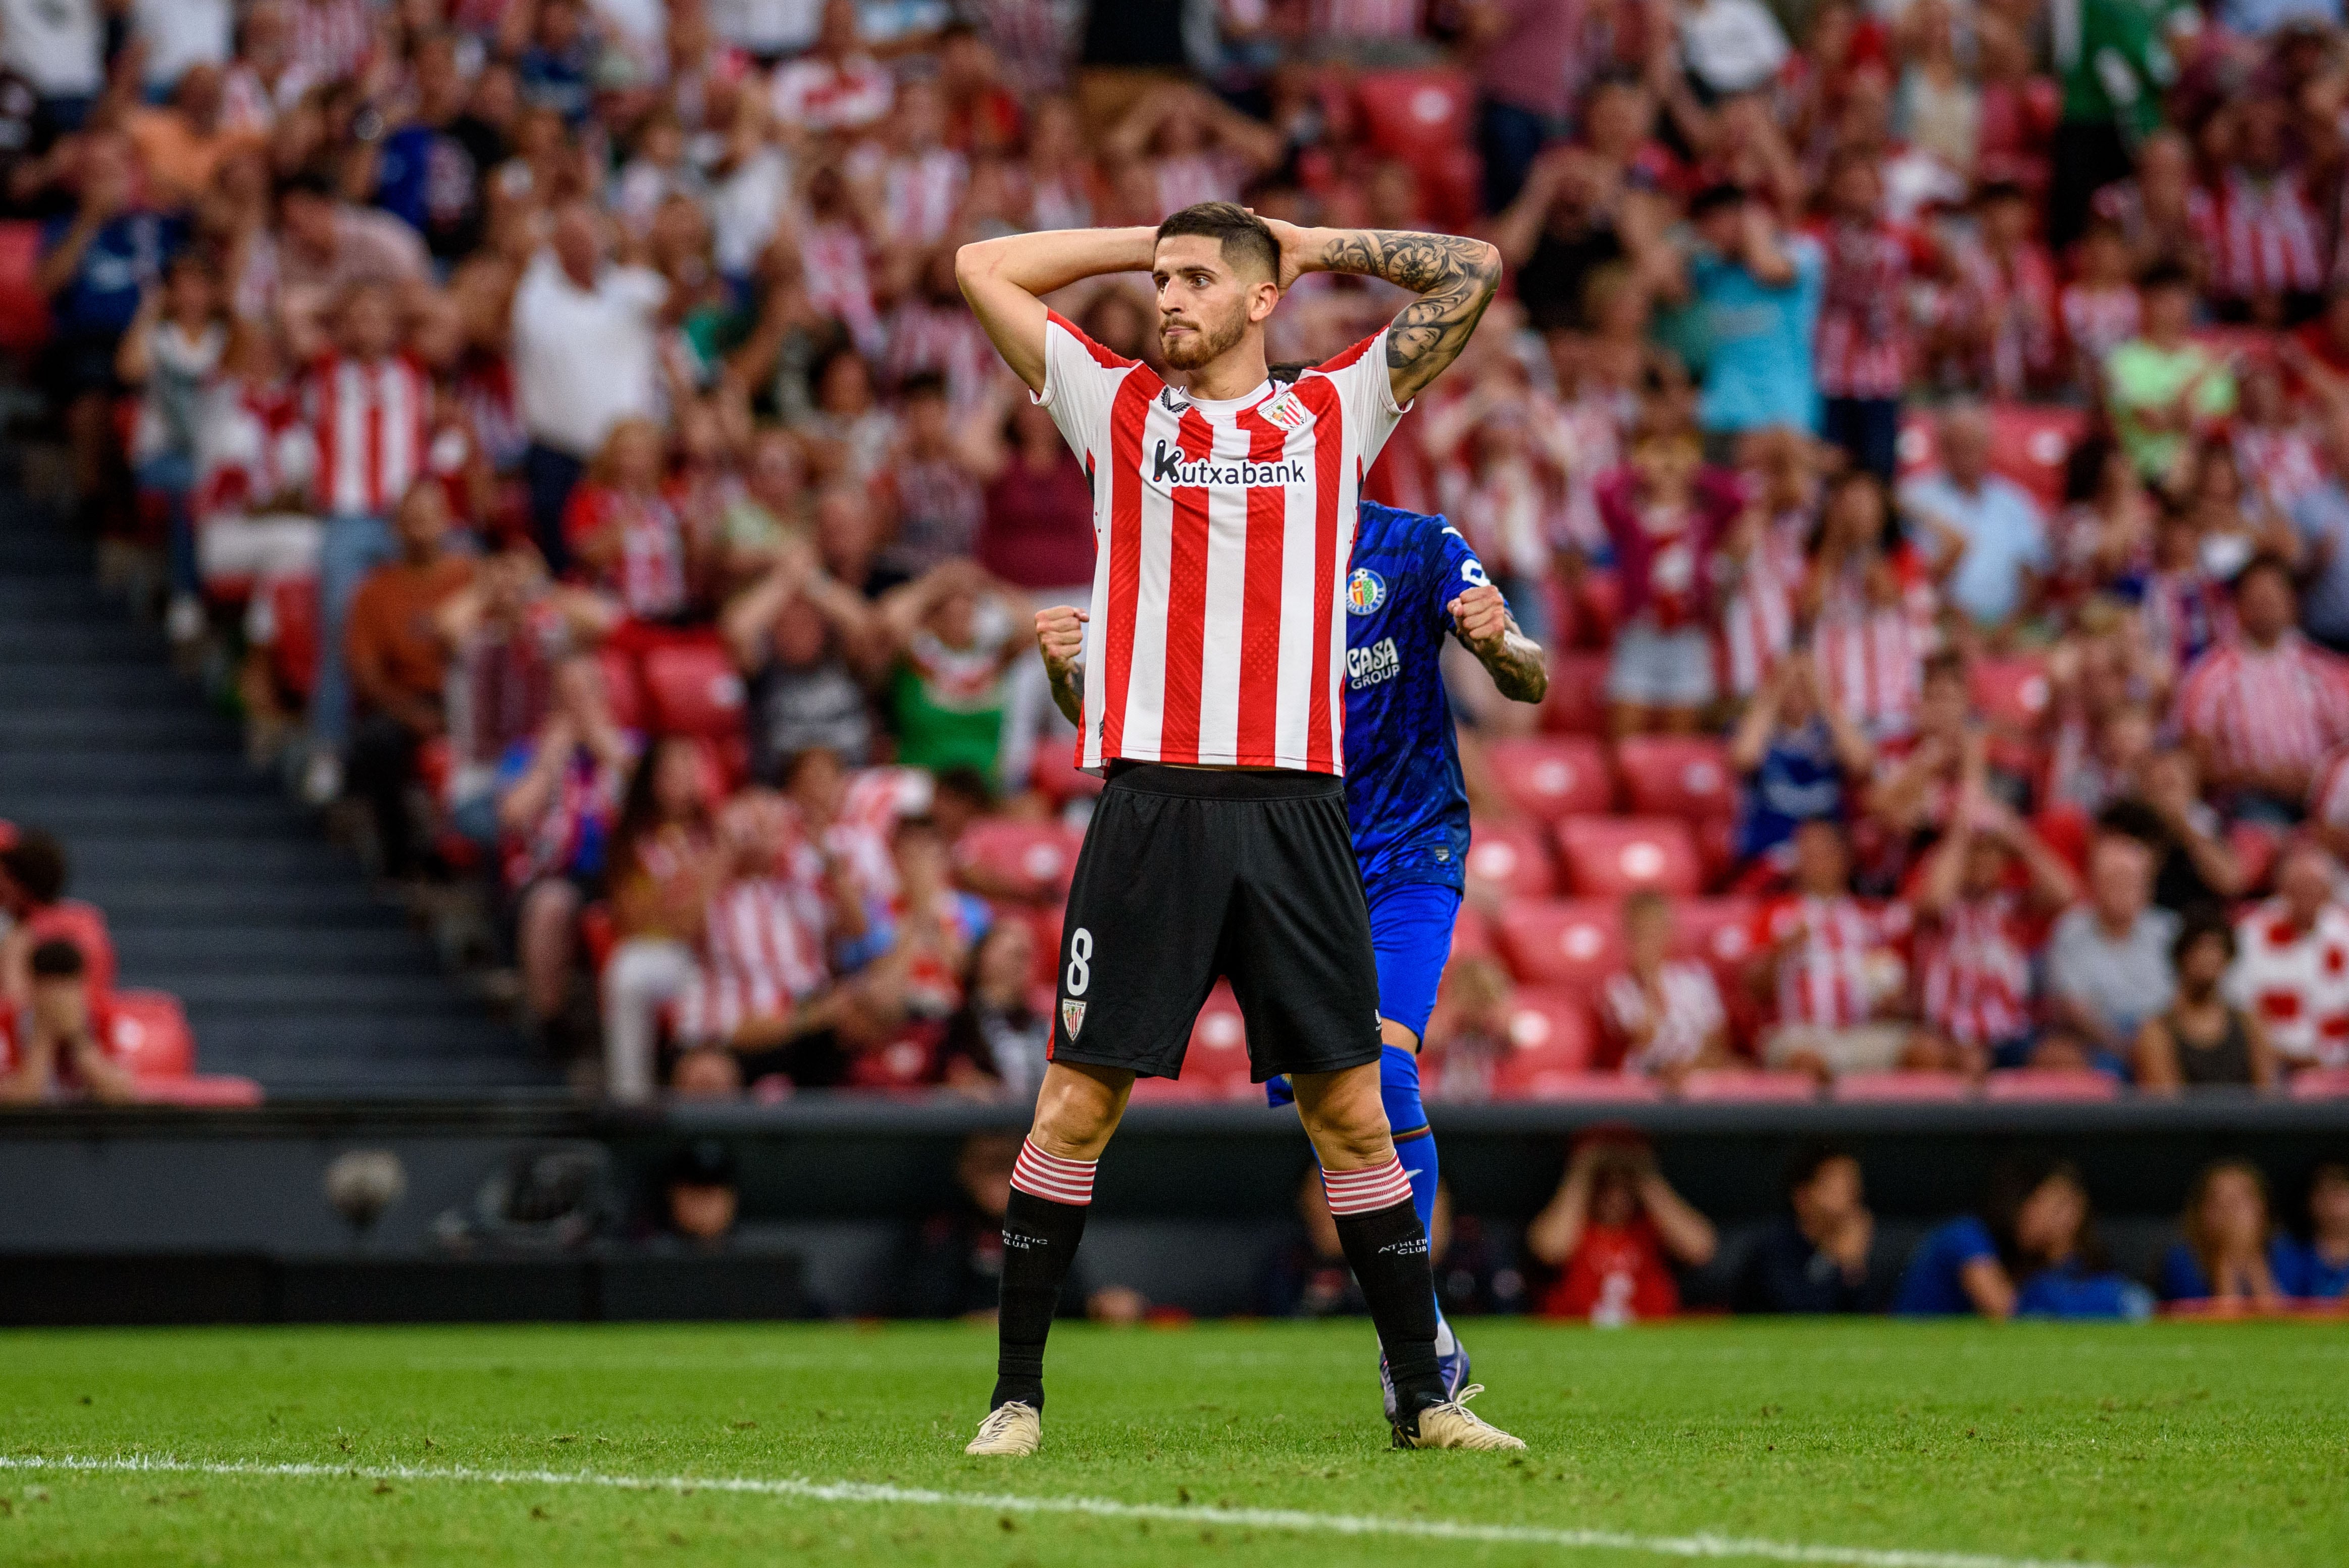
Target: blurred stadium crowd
point(1919, 433)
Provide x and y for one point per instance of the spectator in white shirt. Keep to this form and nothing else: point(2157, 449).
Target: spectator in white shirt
point(2291, 962)
point(1668, 1013)
point(585, 354)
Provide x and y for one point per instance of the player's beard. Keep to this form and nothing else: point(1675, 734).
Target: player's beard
point(1205, 343)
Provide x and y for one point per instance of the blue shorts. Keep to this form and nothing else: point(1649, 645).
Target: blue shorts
point(1411, 934)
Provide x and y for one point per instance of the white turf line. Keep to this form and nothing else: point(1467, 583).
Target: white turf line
point(1270, 1519)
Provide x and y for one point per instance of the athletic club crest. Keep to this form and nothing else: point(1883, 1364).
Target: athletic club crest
point(1285, 411)
point(1365, 591)
point(1073, 1017)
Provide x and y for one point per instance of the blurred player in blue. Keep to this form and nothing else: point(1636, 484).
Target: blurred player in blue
point(1415, 582)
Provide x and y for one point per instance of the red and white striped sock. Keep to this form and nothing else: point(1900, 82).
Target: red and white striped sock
point(1362, 1191)
point(1053, 1179)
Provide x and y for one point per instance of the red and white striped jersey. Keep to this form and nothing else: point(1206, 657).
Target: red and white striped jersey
point(2298, 981)
point(1976, 960)
point(1218, 630)
point(2095, 322)
point(1845, 964)
point(1870, 653)
point(368, 420)
point(2284, 708)
point(2263, 236)
point(762, 950)
point(1757, 623)
point(1864, 328)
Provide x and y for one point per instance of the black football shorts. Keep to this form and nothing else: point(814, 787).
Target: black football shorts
point(1188, 874)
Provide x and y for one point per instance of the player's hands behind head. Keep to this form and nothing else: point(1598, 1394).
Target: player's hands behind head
point(1296, 249)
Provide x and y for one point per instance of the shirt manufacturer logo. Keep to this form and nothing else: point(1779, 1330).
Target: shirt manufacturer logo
point(1173, 403)
point(1365, 592)
point(1169, 466)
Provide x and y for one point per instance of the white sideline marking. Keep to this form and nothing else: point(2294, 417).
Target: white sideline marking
point(1275, 1519)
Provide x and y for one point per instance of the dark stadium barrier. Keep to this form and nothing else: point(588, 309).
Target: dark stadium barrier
point(151, 1214)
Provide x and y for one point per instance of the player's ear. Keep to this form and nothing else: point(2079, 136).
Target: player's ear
point(1262, 298)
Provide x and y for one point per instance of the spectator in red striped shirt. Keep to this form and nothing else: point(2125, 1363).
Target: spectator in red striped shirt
point(2265, 237)
point(2262, 710)
point(1865, 332)
point(1832, 967)
point(1977, 931)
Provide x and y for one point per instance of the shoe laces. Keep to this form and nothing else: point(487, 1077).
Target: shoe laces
point(1458, 1405)
point(1001, 1417)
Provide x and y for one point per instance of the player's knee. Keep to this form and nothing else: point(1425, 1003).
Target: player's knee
point(1077, 1110)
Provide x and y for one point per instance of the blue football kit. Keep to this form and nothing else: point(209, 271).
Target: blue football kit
point(1406, 805)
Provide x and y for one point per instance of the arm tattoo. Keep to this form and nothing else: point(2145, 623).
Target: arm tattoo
point(1455, 277)
point(1516, 666)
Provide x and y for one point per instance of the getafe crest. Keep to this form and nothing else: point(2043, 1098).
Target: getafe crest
point(1365, 591)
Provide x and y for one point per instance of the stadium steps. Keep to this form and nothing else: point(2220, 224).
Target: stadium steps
point(218, 888)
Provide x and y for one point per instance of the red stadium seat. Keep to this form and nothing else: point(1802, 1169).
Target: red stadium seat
point(1568, 943)
point(1416, 114)
point(2020, 1083)
point(1677, 776)
point(1739, 1084)
point(1576, 703)
point(2011, 693)
point(222, 1091)
point(293, 640)
point(1037, 858)
point(693, 688)
point(2321, 1084)
point(24, 308)
point(1554, 1084)
point(1717, 930)
point(1217, 1059)
point(1605, 857)
point(598, 934)
point(1471, 934)
point(1549, 1031)
point(1552, 776)
point(149, 1034)
point(1511, 858)
point(1048, 923)
point(1891, 1089)
point(624, 687)
point(2032, 445)
point(1056, 774)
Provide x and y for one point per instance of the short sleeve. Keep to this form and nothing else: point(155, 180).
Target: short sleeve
point(1454, 566)
point(1081, 382)
point(1365, 393)
point(1968, 1241)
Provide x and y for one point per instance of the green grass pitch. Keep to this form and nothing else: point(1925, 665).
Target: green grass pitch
point(1875, 1445)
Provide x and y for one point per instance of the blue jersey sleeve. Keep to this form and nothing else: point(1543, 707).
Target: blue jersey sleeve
point(1453, 570)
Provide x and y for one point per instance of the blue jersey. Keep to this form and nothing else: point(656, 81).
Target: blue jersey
point(1404, 800)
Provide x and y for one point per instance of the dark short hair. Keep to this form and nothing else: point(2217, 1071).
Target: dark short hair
point(2133, 819)
point(1715, 197)
point(59, 958)
point(967, 782)
point(36, 864)
point(2201, 921)
point(2165, 273)
point(923, 384)
point(1810, 1157)
point(307, 183)
point(1944, 662)
point(1246, 239)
